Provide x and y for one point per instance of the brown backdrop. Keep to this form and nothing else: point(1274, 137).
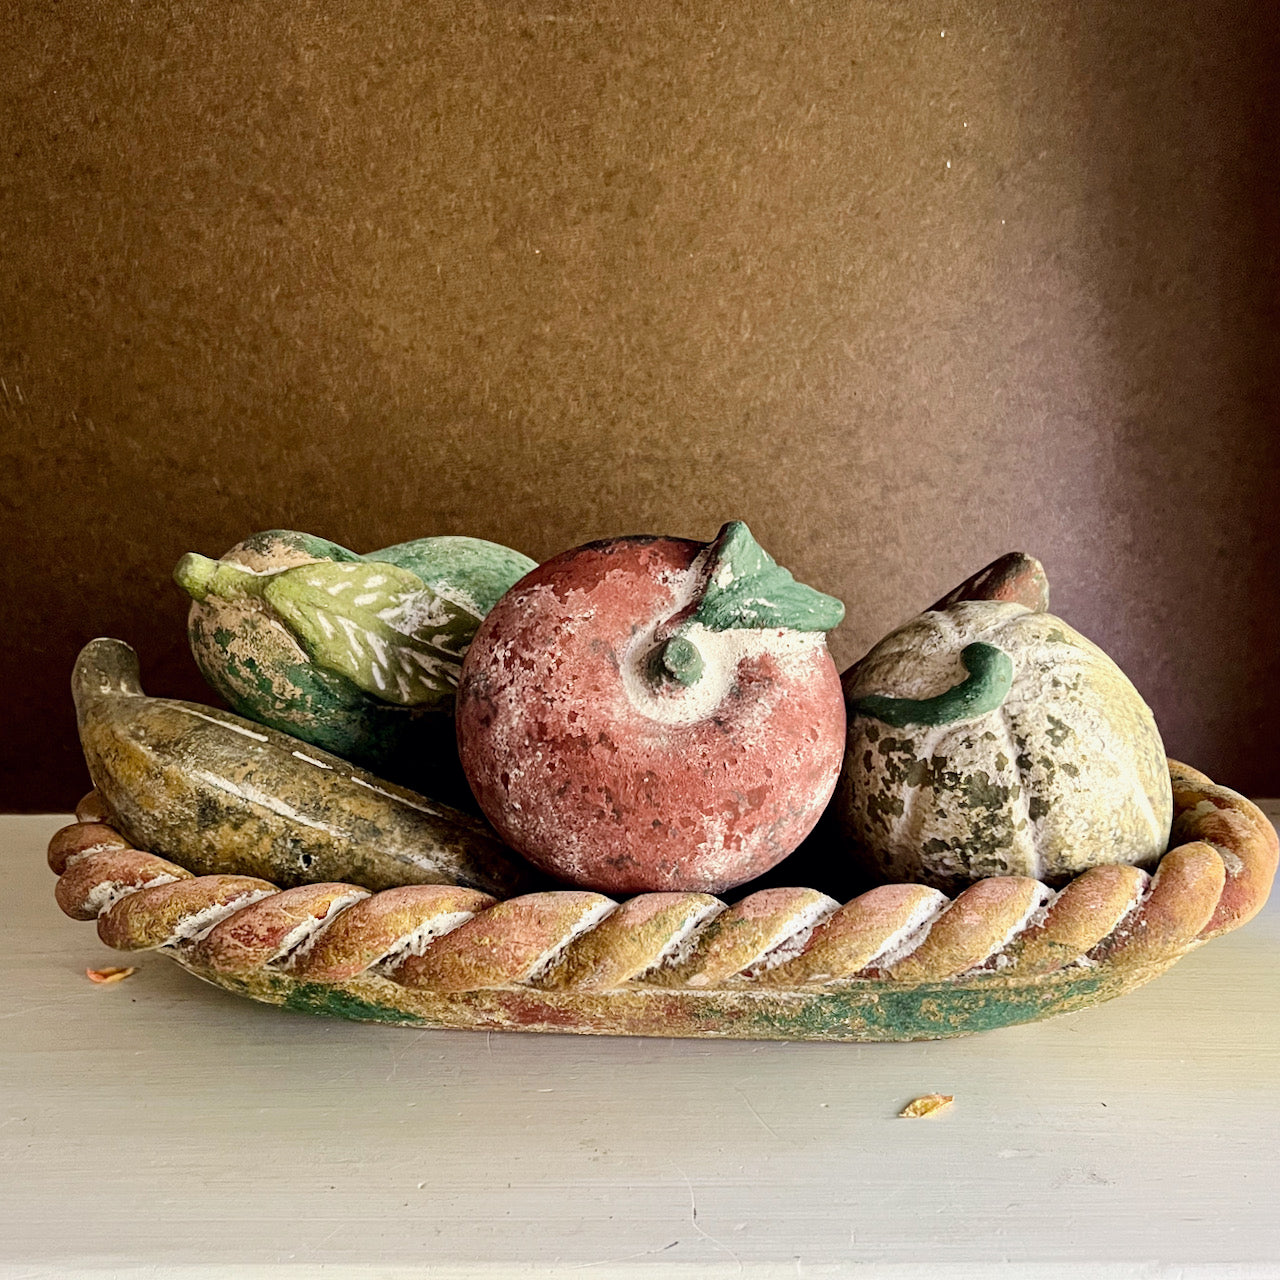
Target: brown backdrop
point(903, 285)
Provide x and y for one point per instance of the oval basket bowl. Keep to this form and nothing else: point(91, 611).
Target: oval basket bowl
point(901, 962)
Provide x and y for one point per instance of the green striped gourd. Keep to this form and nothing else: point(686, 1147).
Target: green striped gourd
point(357, 654)
point(987, 739)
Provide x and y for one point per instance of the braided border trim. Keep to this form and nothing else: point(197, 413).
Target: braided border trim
point(447, 939)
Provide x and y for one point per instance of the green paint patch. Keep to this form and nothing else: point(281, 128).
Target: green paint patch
point(1057, 732)
point(333, 1002)
point(746, 587)
point(931, 1011)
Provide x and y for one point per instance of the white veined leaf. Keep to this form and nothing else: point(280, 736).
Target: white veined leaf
point(378, 625)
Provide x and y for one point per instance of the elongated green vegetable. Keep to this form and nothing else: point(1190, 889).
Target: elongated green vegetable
point(218, 793)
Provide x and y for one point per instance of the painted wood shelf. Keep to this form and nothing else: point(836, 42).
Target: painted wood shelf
point(159, 1127)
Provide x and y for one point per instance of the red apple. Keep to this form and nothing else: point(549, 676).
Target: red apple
point(654, 714)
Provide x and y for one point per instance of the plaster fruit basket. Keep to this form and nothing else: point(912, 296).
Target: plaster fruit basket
point(901, 962)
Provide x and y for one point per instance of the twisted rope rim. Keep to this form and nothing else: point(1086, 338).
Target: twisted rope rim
point(449, 939)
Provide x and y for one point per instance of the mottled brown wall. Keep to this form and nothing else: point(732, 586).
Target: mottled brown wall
point(904, 285)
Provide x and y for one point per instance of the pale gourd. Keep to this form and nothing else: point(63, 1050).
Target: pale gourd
point(985, 739)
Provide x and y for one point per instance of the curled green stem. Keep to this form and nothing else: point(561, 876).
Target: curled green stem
point(986, 687)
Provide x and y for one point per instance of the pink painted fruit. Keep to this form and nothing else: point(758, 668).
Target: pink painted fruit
point(654, 714)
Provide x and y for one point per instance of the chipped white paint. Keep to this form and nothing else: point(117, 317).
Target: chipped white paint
point(416, 942)
point(1040, 900)
point(195, 926)
point(805, 922)
point(424, 611)
point(434, 811)
point(379, 646)
point(102, 897)
point(682, 942)
point(255, 795)
point(226, 724)
point(722, 652)
point(319, 764)
point(102, 845)
point(590, 917)
point(300, 939)
point(903, 941)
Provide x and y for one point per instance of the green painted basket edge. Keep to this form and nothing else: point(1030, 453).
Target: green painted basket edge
point(857, 1011)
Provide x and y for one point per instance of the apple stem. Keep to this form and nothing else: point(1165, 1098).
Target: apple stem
point(680, 660)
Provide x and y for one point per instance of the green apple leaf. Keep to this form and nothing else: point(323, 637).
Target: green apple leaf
point(745, 587)
point(377, 624)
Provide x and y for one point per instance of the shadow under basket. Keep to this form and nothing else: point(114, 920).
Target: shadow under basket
point(900, 962)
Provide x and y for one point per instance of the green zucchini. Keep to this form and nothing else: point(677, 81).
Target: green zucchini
point(220, 794)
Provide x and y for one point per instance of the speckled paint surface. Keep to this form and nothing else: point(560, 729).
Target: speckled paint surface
point(219, 793)
point(1068, 773)
point(592, 775)
point(254, 662)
